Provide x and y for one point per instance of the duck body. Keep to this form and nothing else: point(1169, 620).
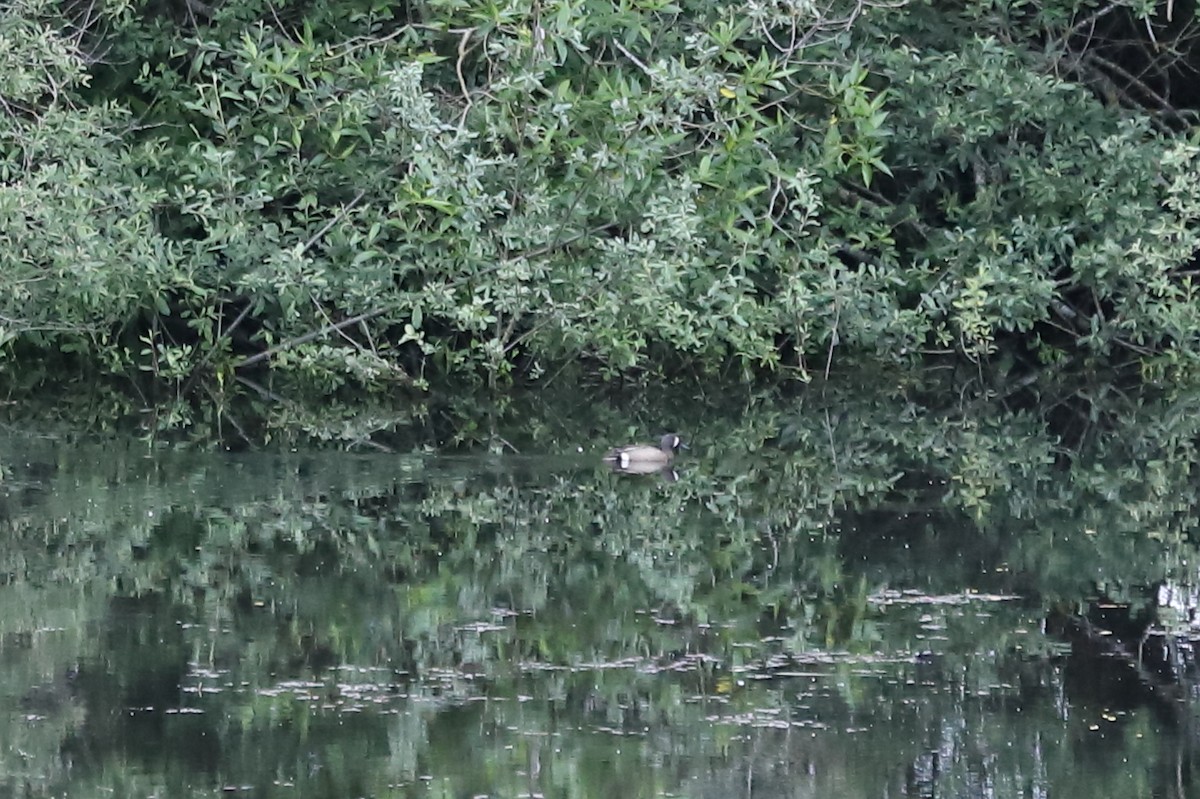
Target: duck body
point(645, 458)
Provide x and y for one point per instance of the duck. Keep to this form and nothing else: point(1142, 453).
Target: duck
point(645, 458)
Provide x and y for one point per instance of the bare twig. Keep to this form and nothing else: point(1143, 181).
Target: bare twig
point(458, 70)
point(307, 337)
point(338, 217)
point(1162, 102)
point(636, 61)
point(224, 334)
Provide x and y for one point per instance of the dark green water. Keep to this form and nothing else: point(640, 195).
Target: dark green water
point(836, 597)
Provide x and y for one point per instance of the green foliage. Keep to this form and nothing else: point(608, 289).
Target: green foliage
point(80, 253)
point(486, 189)
point(1075, 220)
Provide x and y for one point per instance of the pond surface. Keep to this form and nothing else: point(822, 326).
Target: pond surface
point(832, 596)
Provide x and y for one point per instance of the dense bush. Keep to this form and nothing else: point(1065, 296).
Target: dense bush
point(367, 193)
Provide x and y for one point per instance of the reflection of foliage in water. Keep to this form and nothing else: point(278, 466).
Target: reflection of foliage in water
point(659, 609)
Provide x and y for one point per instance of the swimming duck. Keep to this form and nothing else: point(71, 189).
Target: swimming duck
point(645, 458)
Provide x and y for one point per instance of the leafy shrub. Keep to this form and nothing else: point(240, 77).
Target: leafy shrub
point(483, 188)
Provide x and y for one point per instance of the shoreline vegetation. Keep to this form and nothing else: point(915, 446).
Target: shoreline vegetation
point(369, 195)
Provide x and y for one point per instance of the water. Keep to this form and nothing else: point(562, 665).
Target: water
point(839, 597)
